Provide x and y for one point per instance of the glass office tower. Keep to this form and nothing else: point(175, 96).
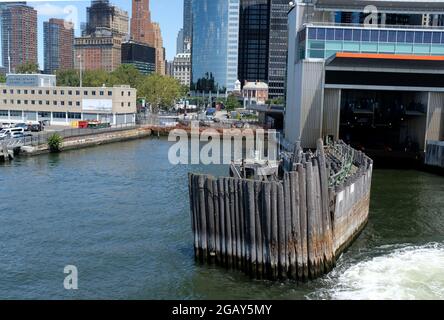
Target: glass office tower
point(253, 40)
point(215, 45)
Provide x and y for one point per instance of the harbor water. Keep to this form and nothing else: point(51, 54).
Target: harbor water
point(120, 214)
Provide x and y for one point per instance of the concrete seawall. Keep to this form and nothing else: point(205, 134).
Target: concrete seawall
point(91, 141)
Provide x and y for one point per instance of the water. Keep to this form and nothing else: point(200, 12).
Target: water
point(120, 213)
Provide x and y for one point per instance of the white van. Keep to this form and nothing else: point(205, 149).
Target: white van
point(5, 133)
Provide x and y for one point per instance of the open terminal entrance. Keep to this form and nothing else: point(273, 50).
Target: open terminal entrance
point(384, 123)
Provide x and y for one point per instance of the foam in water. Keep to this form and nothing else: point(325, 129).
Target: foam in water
point(411, 273)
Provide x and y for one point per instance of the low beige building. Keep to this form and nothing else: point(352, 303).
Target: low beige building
point(62, 105)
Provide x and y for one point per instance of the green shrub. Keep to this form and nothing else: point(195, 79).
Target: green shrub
point(55, 142)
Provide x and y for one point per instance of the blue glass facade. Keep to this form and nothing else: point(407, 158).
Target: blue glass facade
point(323, 42)
point(215, 45)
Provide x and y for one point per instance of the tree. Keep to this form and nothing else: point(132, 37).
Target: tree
point(232, 103)
point(2, 78)
point(27, 68)
point(161, 92)
point(68, 78)
point(127, 74)
point(97, 78)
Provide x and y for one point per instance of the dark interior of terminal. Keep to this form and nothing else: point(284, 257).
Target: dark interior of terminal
point(384, 120)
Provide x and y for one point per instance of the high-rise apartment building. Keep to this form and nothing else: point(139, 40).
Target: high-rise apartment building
point(58, 40)
point(19, 35)
point(215, 45)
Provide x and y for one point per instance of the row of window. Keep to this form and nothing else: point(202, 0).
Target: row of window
point(61, 92)
point(47, 102)
point(41, 102)
point(400, 36)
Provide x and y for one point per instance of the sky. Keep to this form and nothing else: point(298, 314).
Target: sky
point(169, 13)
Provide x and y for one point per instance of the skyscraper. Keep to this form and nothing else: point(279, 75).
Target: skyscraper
point(101, 14)
point(254, 35)
point(187, 20)
point(215, 45)
point(100, 46)
point(277, 57)
point(143, 30)
point(180, 42)
point(141, 26)
point(58, 41)
point(19, 35)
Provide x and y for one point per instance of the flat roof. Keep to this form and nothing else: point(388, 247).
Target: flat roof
point(393, 6)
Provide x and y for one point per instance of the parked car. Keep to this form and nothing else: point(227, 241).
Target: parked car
point(17, 135)
point(7, 133)
point(22, 125)
point(35, 127)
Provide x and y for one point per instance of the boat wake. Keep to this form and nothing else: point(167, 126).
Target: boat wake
point(409, 273)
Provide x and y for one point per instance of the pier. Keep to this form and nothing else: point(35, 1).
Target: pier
point(292, 226)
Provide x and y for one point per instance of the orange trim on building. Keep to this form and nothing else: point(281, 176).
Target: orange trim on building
point(388, 56)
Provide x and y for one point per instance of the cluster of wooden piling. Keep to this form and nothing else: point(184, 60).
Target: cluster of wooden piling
point(268, 229)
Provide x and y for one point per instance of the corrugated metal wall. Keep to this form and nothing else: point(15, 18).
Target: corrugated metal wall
point(435, 118)
point(332, 111)
point(311, 102)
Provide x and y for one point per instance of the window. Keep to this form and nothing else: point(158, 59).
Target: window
point(70, 92)
point(54, 102)
point(93, 93)
point(47, 102)
point(3, 113)
point(26, 101)
point(19, 101)
point(26, 91)
point(32, 91)
point(54, 92)
point(19, 91)
point(59, 115)
point(62, 103)
point(85, 93)
point(11, 91)
point(129, 93)
point(110, 93)
point(102, 93)
point(77, 93)
point(4, 91)
point(40, 102)
point(62, 92)
point(74, 115)
point(32, 101)
point(78, 103)
point(47, 92)
point(15, 113)
point(129, 104)
point(70, 103)
point(44, 114)
point(40, 92)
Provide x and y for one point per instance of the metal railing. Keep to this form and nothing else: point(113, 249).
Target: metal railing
point(42, 137)
point(374, 26)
